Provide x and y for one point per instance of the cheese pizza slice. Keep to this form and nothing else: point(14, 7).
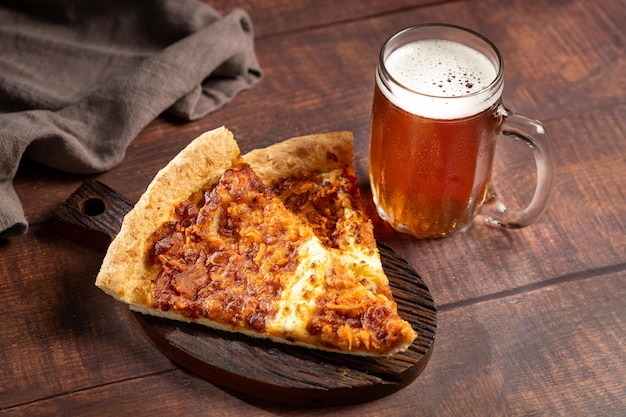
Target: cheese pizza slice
point(273, 244)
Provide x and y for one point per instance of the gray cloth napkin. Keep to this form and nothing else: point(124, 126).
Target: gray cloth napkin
point(79, 79)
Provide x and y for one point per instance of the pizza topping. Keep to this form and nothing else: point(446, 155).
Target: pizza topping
point(331, 204)
point(241, 258)
point(210, 253)
point(329, 306)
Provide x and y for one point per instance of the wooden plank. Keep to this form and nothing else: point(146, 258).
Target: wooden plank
point(272, 17)
point(176, 393)
point(557, 350)
point(59, 333)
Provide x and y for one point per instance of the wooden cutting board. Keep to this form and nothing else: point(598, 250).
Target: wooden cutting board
point(258, 368)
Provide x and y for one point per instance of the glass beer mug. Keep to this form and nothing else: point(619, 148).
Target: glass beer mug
point(436, 115)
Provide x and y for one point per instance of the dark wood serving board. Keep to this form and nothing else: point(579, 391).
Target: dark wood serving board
point(260, 368)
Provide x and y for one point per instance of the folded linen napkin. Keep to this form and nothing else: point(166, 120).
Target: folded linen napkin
point(79, 79)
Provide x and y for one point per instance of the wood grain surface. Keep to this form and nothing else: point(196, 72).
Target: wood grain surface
point(530, 322)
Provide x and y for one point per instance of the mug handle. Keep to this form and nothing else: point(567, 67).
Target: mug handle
point(534, 134)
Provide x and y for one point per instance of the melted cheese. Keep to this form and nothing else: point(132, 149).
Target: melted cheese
point(364, 264)
point(300, 296)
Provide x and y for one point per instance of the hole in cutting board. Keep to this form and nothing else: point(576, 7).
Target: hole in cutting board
point(93, 207)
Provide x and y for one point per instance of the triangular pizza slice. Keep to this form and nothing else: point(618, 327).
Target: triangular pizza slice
point(272, 244)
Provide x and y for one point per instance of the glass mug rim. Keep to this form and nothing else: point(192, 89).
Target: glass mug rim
point(496, 85)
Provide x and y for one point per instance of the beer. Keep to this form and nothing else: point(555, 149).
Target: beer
point(435, 119)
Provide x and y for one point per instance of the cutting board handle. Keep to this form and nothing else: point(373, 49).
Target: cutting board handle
point(92, 215)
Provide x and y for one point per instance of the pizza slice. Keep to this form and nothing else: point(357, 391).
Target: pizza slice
point(273, 244)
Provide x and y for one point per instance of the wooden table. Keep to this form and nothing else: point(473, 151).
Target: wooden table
point(530, 322)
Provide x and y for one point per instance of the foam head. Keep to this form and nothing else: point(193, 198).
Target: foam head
point(440, 79)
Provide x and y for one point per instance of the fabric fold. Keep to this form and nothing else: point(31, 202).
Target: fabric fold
point(77, 88)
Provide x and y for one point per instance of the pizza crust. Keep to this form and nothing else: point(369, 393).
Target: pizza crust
point(125, 273)
point(294, 156)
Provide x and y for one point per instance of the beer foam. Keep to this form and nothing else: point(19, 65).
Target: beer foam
point(442, 79)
